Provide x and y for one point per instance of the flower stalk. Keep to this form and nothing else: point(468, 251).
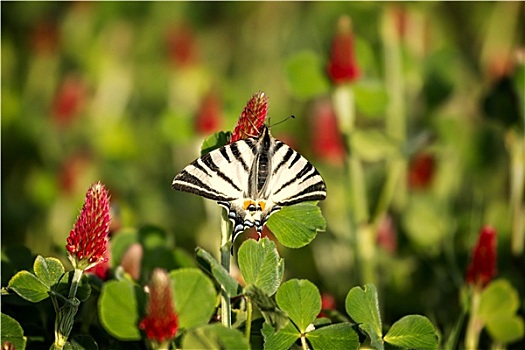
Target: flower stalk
point(225, 252)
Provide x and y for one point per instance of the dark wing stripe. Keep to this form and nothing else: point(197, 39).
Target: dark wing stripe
point(295, 160)
point(251, 145)
point(316, 191)
point(285, 159)
point(237, 154)
point(197, 165)
point(189, 183)
point(208, 161)
point(307, 167)
point(312, 174)
point(224, 153)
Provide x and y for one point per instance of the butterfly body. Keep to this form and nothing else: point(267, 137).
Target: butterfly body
point(252, 178)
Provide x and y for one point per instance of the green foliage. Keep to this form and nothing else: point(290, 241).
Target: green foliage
point(119, 308)
point(301, 300)
point(497, 309)
point(305, 75)
point(12, 332)
point(413, 332)
point(219, 273)
point(261, 265)
point(194, 297)
point(363, 307)
point(297, 225)
point(215, 141)
point(214, 336)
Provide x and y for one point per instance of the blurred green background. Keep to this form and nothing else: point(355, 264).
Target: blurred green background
point(125, 93)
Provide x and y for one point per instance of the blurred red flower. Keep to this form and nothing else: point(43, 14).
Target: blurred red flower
point(252, 118)
point(342, 66)
point(327, 142)
point(387, 234)
point(180, 43)
point(69, 100)
point(44, 37)
point(327, 303)
point(209, 116)
point(161, 321)
point(421, 171)
point(87, 241)
point(482, 266)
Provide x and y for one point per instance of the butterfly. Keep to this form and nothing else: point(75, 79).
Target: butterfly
point(252, 178)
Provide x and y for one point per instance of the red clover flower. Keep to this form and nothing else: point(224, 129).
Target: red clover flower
point(161, 321)
point(252, 118)
point(87, 241)
point(482, 267)
point(342, 66)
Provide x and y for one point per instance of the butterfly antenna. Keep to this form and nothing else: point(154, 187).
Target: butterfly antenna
point(284, 120)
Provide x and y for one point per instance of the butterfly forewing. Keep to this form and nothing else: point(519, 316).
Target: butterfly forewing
point(219, 175)
point(293, 179)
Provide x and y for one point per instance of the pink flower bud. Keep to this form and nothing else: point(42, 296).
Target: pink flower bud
point(87, 241)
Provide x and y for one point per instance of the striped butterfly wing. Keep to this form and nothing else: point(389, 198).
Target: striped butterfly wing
point(219, 175)
point(293, 179)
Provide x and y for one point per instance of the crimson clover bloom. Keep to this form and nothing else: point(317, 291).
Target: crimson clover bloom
point(87, 241)
point(209, 116)
point(161, 321)
point(252, 118)
point(342, 66)
point(482, 267)
point(327, 143)
point(421, 171)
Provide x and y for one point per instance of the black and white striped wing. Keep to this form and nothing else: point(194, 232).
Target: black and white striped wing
point(293, 179)
point(219, 175)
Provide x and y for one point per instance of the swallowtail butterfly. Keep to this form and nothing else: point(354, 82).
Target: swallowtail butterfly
point(252, 178)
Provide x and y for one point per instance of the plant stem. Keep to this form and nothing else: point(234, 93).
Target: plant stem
point(516, 147)
point(474, 325)
point(303, 342)
point(66, 314)
point(225, 251)
point(249, 310)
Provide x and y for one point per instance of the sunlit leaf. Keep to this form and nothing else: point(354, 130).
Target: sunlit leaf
point(301, 300)
point(413, 332)
point(12, 332)
point(48, 270)
point(194, 296)
point(336, 336)
point(214, 336)
point(282, 339)
point(29, 287)
point(261, 265)
point(215, 141)
point(363, 307)
point(297, 225)
point(118, 309)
